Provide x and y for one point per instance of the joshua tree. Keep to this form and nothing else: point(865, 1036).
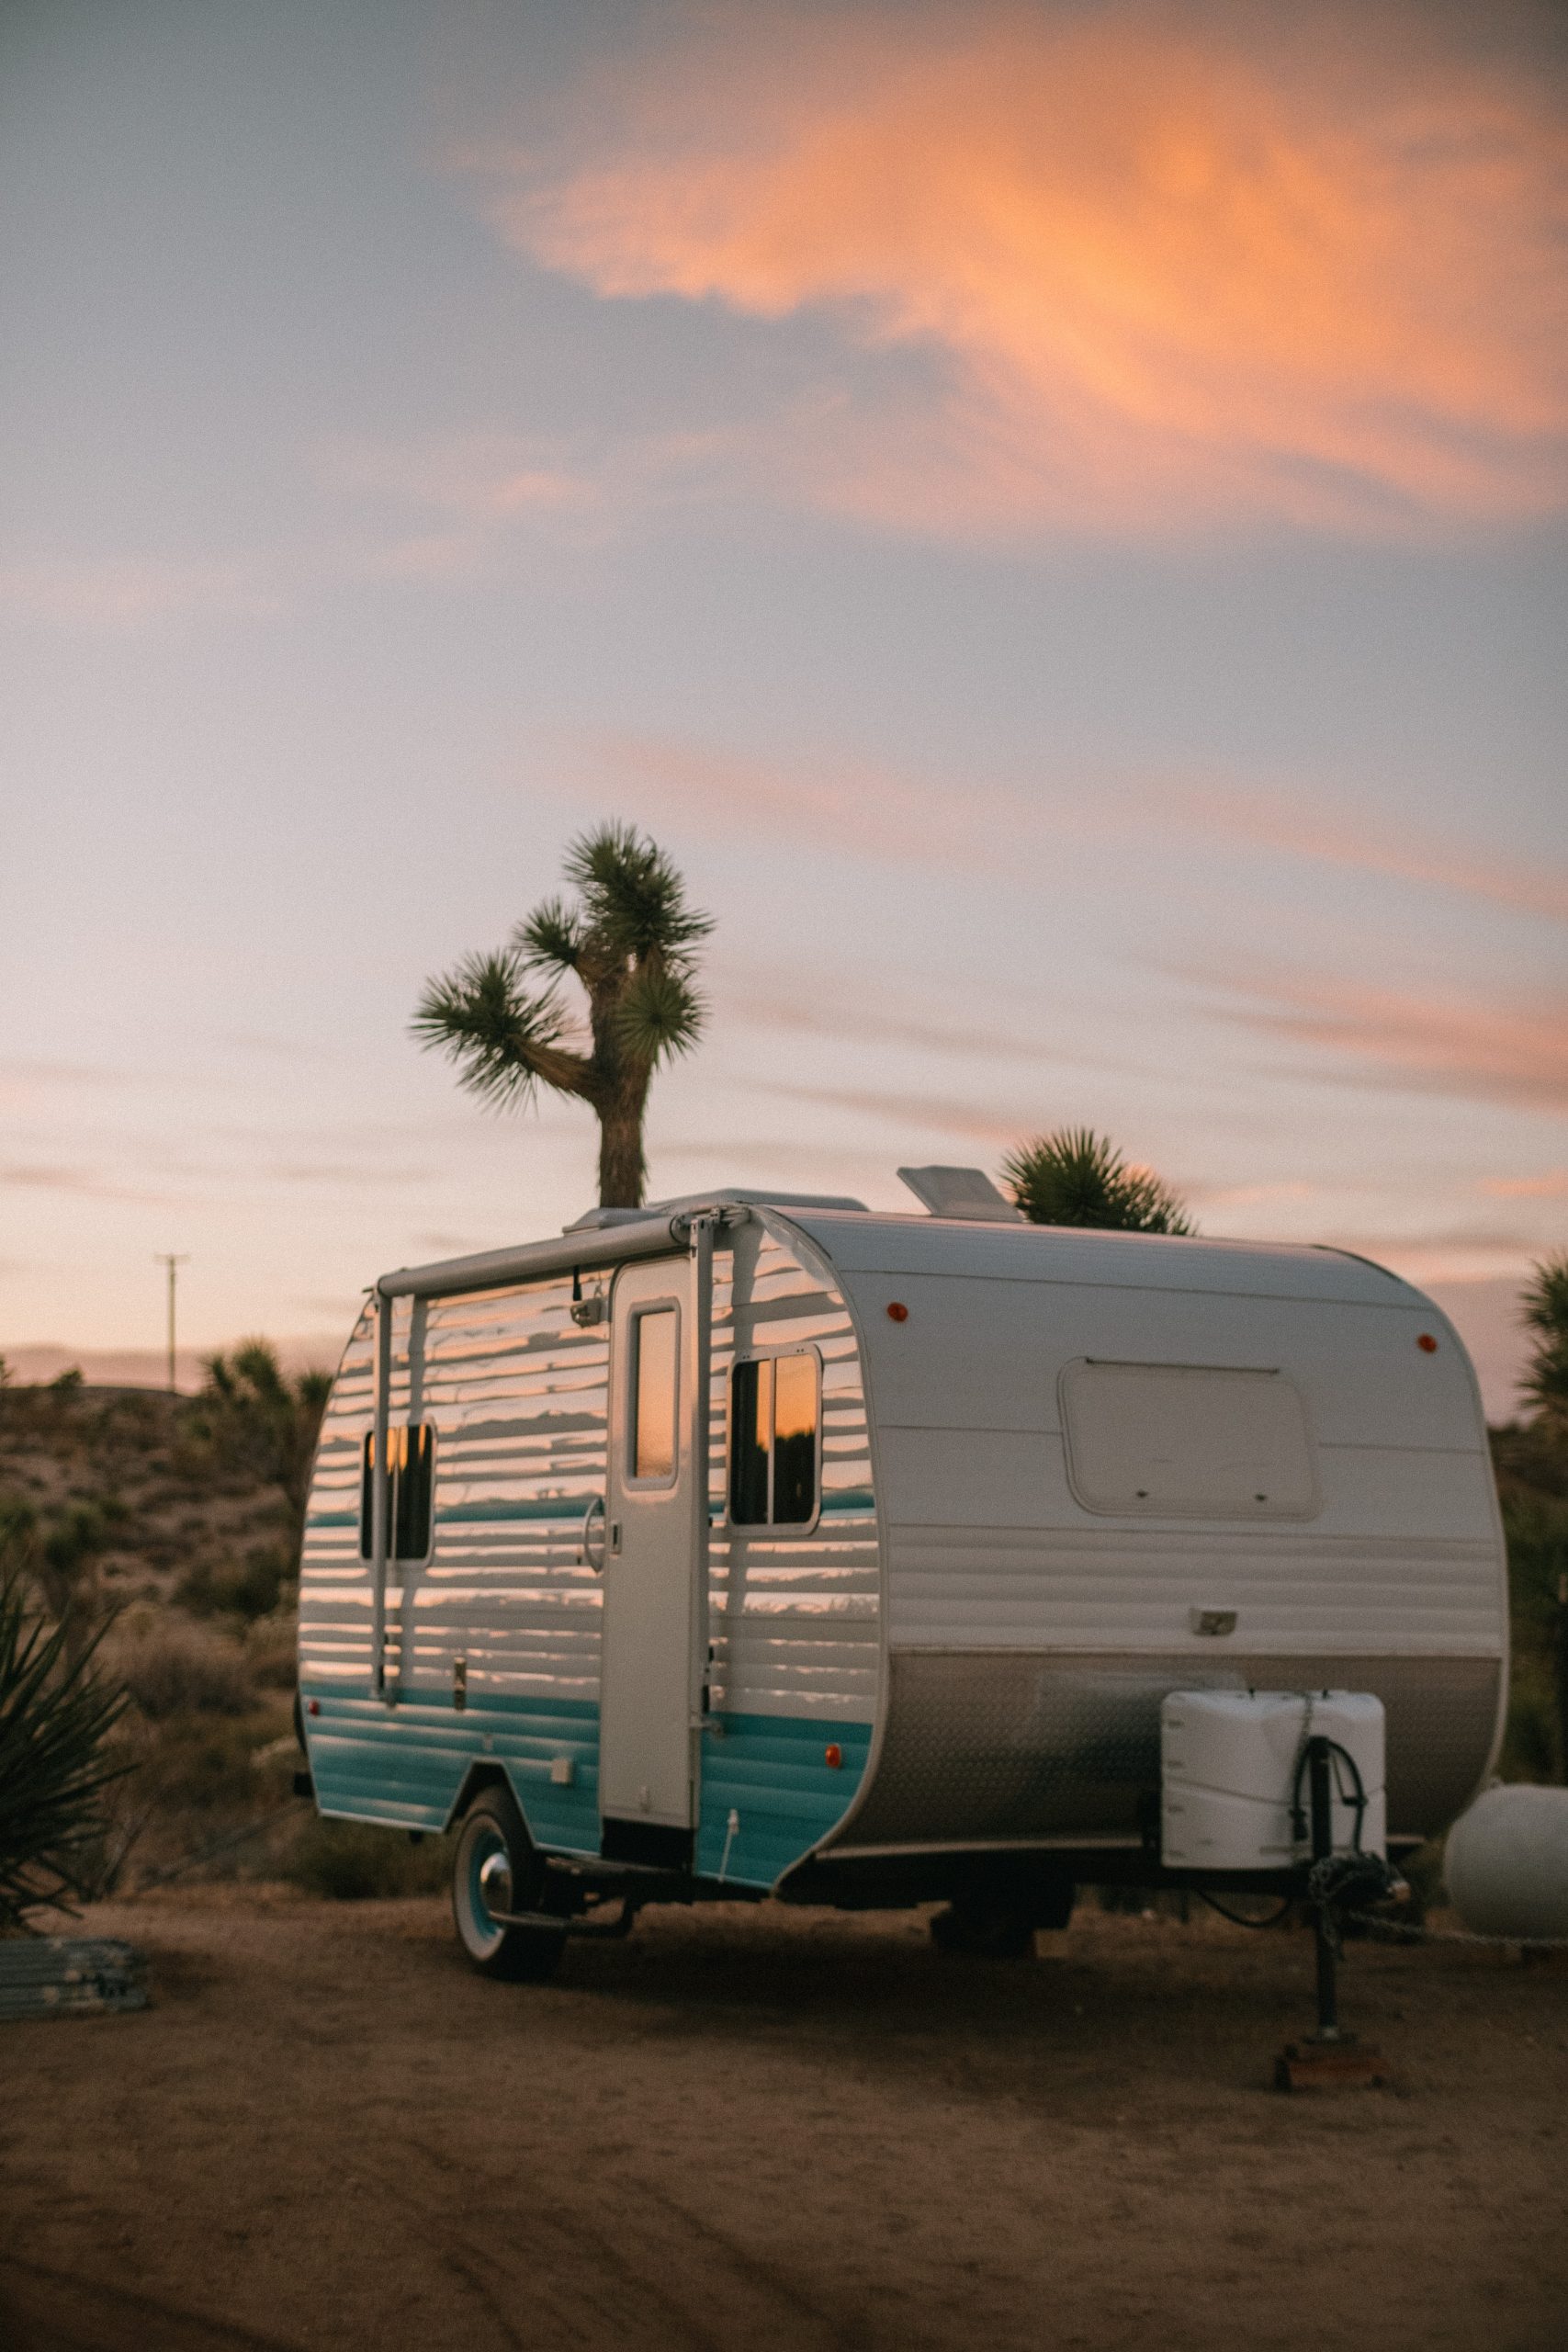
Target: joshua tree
point(631, 941)
point(252, 1412)
point(1544, 1311)
point(1075, 1177)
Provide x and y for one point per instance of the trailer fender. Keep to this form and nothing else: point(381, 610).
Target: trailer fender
point(488, 1773)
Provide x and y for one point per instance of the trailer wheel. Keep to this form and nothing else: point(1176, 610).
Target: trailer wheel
point(494, 1870)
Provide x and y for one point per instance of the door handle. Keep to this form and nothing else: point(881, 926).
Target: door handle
point(585, 1551)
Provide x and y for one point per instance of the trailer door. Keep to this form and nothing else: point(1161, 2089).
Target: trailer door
point(655, 1503)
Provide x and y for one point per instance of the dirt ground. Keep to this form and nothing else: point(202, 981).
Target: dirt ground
point(760, 2128)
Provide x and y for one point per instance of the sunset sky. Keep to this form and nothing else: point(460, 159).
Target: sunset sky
point(1054, 514)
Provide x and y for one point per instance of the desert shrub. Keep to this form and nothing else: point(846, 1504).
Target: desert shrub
point(271, 1651)
point(262, 1422)
point(252, 1587)
point(354, 1861)
point(1529, 1738)
point(174, 1666)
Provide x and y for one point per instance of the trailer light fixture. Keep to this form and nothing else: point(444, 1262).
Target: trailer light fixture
point(833, 1755)
point(897, 1311)
point(1426, 1344)
point(314, 1708)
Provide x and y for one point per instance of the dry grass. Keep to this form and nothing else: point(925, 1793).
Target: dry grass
point(171, 1665)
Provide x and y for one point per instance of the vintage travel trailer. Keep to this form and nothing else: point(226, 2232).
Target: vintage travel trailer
point(756, 1544)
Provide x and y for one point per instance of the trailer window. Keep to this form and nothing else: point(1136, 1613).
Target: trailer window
point(411, 1455)
point(653, 1394)
point(774, 1418)
point(1166, 1440)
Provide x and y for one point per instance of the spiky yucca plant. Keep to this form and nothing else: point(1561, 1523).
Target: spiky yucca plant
point(54, 1768)
point(631, 942)
point(1075, 1177)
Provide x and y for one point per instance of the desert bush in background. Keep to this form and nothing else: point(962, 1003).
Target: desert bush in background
point(1531, 1461)
point(258, 1585)
point(351, 1862)
point(171, 1665)
point(256, 1418)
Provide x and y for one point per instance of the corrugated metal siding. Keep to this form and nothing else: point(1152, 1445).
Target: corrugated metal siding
point(518, 1396)
point(1004, 1592)
point(987, 1542)
point(794, 1619)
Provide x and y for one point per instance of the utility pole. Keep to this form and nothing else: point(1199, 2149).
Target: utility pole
point(172, 1259)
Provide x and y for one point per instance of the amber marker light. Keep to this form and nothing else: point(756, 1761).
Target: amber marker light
point(897, 1311)
point(833, 1754)
point(1426, 1344)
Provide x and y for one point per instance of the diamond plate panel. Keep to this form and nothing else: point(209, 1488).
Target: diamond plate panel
point(996, 1744)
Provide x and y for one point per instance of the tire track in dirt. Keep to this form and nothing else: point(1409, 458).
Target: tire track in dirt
point(630, 2264)
point(57, 2311)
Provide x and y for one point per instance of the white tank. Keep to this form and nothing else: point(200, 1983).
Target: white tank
point(1506, 1862)
point(1229, 1765)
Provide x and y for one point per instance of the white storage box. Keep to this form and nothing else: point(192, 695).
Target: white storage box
point(1228, 1766)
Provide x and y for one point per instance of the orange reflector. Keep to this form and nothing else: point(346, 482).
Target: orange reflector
point(898, 1311)
point(1426, 1344)
point(833, 1754)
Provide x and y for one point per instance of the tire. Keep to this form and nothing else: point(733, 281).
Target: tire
point(495, 1865)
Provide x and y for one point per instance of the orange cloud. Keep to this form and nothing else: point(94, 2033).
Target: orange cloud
point(1553, 1186)
point(1153, 268)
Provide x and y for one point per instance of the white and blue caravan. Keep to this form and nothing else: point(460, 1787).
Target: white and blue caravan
point(758, 1544)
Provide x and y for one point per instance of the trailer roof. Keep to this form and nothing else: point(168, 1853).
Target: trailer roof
point(862, 1240)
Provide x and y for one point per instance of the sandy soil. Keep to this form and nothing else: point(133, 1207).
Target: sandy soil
point(757, 2128)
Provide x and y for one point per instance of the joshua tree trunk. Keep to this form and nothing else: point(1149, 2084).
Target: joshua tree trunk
point(621, 1165)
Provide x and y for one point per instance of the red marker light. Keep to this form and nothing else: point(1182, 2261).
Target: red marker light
point(1426, 1344)
point(833, 1754)
point(899, 1312)
point(314, 1707)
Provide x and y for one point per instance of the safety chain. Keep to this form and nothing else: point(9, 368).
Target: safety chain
point(1425, 1935)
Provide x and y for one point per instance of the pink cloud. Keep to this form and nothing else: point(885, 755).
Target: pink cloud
point(1155, 269)
point(127, 592)
point(1551, 1186)
point(1500, 1052)
point(869, 810)
point(1304, 825)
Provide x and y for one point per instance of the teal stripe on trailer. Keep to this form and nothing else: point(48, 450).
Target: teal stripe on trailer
point(772, 1771)
point(405, 1764)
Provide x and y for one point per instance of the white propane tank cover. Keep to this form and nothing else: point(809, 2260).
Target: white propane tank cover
point(1506, 1862)
point(1229, 1764)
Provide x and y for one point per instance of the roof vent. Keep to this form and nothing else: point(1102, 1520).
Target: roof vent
point(961, 1192)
